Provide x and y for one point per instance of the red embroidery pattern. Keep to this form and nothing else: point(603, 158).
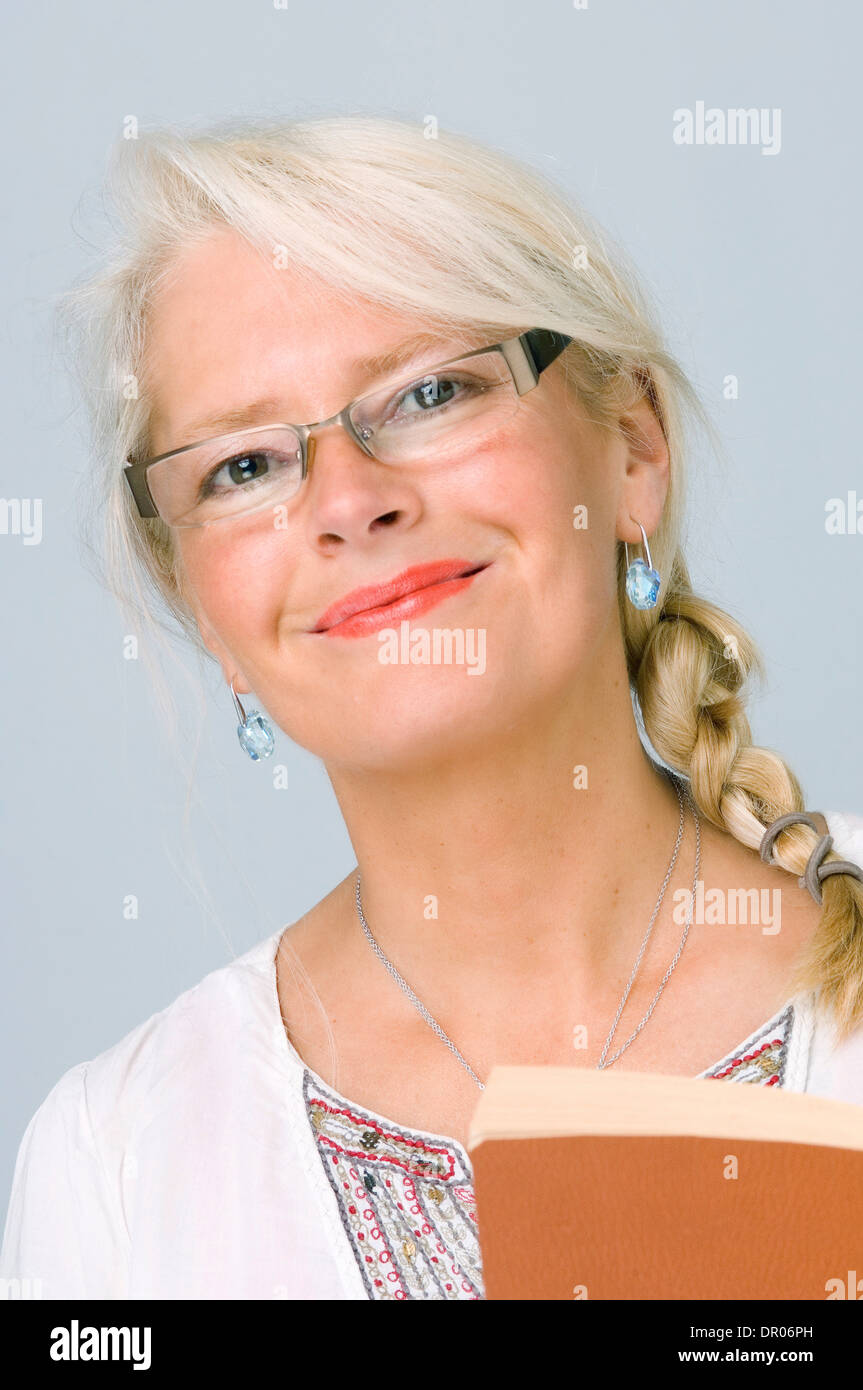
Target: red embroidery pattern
point(763, 1060)
point(406, 1202)
point(413, 1154)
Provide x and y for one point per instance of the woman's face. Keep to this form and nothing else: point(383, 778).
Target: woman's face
point(537, 622)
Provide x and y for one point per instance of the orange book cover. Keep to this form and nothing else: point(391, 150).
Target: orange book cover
point(624, 1185)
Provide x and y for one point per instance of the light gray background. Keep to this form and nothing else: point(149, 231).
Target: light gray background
point(754, 261)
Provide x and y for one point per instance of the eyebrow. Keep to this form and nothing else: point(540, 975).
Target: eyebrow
point(265, 408)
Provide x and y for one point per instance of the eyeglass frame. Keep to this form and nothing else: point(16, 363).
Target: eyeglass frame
point(527, 357)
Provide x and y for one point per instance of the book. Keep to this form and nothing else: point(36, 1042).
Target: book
point(628, 1185)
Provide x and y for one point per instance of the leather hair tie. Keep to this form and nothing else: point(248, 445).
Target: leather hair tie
point(816, 870)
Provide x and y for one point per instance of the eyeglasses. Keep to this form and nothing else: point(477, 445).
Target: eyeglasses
point(440, 415)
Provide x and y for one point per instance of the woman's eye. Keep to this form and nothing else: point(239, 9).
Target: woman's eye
point(235, 472)
point(428, 394)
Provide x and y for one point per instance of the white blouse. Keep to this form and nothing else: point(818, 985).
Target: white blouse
point(201, 1158)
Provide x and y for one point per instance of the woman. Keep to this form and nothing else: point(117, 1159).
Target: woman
point(448, 589)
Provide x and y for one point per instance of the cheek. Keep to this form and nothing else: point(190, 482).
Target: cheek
point(554, 492)
point(544, 470)
point(235, 586)
point(566, 504)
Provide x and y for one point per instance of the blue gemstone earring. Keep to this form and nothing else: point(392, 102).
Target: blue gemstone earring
point(642, 580)
point(254, 731)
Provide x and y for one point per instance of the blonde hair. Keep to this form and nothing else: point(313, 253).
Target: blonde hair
point(460, 235)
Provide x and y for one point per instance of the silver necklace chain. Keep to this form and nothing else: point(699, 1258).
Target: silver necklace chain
point(417, 1003)
point(602, 1063)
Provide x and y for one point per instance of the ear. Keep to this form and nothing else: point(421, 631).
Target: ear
point(647, 472)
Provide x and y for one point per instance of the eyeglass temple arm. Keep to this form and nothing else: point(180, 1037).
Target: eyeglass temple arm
point(136, 476)
point(529, 354)
point(544, 345)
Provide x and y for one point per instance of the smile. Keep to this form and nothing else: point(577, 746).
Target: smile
point(410, 593)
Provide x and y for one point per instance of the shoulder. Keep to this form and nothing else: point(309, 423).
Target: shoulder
point(835, 1065)
point(847, 831)
point(67, 1219)
point(99, 1101)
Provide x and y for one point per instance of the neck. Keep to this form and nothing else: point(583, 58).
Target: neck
point(496, 857)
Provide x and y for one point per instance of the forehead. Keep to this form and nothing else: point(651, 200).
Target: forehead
point(227, 325)
point(224, 281)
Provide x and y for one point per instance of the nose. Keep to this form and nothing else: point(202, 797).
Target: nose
point(354, 496)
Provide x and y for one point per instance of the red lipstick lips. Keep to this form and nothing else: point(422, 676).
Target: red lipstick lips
point(381, 605)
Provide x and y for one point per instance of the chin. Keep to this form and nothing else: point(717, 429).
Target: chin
point(409, 720)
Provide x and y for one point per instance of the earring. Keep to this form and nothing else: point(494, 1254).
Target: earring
point(642, 580)
point(254, 731)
